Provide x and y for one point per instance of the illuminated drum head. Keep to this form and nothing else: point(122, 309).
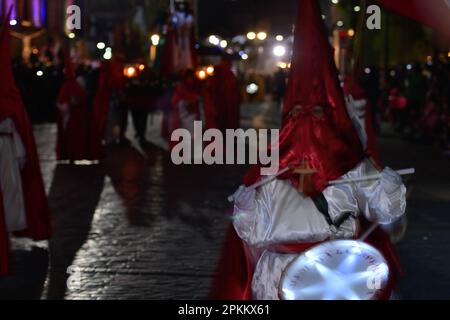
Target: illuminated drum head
point(336, 270)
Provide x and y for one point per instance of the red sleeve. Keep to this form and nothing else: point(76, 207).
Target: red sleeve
point(234, 272)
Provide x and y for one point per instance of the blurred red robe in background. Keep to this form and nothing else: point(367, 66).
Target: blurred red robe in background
point(73, 117)
point(111, 80)
point(225, 97)
point(186, 105)
point(38, 223)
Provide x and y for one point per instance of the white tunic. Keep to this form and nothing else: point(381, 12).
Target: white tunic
point(11, 160)
point(282, 215)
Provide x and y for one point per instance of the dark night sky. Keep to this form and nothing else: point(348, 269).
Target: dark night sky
point(232, 17)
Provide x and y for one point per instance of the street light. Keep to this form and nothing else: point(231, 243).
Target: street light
point(279, 38)
point(251, 35)
point(252, 88)
point(357, 8)
point(262, 36)
point(107, 55)
point(223, 44)
point(279, 51)
point(210, 70)
point(340, 23)
point(155, 39)
point(214, 40)
point(101, 45)
point(71, 35)
point(202, 74)
point(130, 72)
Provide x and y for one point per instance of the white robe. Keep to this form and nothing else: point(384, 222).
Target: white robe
point(12, 159)
point(282, 215)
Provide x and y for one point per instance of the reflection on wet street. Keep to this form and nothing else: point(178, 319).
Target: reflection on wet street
point(138, 227)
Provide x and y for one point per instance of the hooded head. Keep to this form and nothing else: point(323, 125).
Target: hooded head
point(317, 132)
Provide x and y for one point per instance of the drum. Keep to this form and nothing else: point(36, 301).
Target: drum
point(336, 270)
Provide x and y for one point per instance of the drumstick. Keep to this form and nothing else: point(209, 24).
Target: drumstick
point(261, 183)
point(372, 177)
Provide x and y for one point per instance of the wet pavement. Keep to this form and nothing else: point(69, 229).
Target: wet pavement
point(138, 227)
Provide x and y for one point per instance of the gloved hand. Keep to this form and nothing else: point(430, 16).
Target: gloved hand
point(244, 199)
point(390, 180)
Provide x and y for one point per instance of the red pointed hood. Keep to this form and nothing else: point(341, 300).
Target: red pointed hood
point(314, 78)
point(316, 129)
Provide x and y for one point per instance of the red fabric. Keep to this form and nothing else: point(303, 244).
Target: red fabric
point(111, 80)
point(73, 140)
point(234, 271)
point(186, 91)
point(225, 95)
point(11, 106)
point(329, 142)
point(100, 112)
point(434, 13)
point(194, 54)
point(168, 63)
point(397, 101)
point(210, 104)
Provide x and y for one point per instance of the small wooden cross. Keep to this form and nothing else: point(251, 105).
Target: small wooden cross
point(304, 170)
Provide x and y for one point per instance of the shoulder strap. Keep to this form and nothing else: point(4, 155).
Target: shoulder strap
point(322, 205)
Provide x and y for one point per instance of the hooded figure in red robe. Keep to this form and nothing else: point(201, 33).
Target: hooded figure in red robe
point(37, 217)
point(111, 83)
point(224, 92)
point(73, 117)
point(186, 102)
point(287, 216)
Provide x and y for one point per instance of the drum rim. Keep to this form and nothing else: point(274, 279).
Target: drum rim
point(284, 273)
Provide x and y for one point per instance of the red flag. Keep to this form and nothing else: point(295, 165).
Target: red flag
point(434, 13)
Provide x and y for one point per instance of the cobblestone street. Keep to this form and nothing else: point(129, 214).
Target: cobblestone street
point(137, 227)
